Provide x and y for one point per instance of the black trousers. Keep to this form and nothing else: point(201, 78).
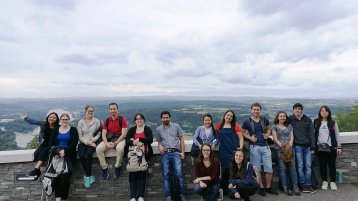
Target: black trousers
point(328, 159)
point(224, 182)
point(41, 153)
point(62, 185)
point(85, 154)
point(244, 190)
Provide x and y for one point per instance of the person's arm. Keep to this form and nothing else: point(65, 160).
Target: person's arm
point(97, 135)
point(239, 136)
point(249, 177)
point(275, 138)
point(195, 137)
point(123, 132)
point(246, 132)
point(291, 137)
point(33, 121)
point(130, 135)
point(73, 142)
point(80, 133)
point(336, 131)
point(148, 139)
point(182, 147)
point(159, 140)
point(312, 137)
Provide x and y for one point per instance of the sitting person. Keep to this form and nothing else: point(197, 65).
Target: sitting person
point(207, 171)
point(242, 182)
point(41, 153)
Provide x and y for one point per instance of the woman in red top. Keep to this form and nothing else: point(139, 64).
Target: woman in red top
point(207, 170)
point(139, 135)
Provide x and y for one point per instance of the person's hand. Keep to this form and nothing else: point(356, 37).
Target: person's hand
point(253, 139)
point(202, 184)
point(237, 195)
point(93, 145)
point(231, 186)
point(161, 148)
point(197, 180)
point(182, 155)
point(213, 147)
point(312, 152)
point(139, 143)
point(23, 116)
point(61, 153)
point(135, 142)
point(265, 135)
point(339, 151)
point(110, 145)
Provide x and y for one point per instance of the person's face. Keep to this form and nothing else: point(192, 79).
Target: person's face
point(52, 119)
point(282, 117)
point(113, 111)
point(207, 122)
point(89, 112)
point(65, 121)
point(165, 119)
point(229, 117)
point(206, 151)
point(239, 157)
point(255, 111)
point(297, 111)
point(324, 112)
point(139, 121)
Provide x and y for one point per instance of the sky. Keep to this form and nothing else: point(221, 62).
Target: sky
point(111, 48)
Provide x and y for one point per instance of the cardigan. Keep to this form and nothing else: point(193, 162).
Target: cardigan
point(148, 140)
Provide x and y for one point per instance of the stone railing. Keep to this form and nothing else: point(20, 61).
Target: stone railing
point(14, 163)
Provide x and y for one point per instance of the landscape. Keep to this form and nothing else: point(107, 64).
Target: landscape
point(15, 133)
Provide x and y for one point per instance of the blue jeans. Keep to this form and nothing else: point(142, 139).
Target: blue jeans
point(283, 167)
point(303, 163)
point(172, 161)
point(210, 193)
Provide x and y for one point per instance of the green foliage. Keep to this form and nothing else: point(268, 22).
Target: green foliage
point(348, 121)
point(7, 140)
point(34, 143)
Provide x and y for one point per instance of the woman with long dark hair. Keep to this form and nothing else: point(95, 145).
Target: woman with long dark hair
point(328, 145)
point(230, 138)
point(204, 134)
point(89, 131)
point(207, 171)
point(242, 183)
point(46, 131)
point(139, 135)
point(282, 133)
point(66, 138)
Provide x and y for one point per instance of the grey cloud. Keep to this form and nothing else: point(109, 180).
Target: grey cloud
point(55, 4)
point(92, 59)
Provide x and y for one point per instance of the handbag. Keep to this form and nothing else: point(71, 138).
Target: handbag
point(194, 152)
point(324, 147)
point(136, 159)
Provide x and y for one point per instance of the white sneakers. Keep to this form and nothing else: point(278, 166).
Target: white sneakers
point(133, 199)
point(221, 195)
point(324, 185)
point(332, 185)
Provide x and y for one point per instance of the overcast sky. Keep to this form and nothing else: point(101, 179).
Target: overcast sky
point(85, 48)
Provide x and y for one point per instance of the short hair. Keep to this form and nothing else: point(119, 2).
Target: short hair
point(113, 104)
point(256, 105)
point(164, 112)
point(88, 106)
point(139, 114)
point(65, 114)
point(296, 105)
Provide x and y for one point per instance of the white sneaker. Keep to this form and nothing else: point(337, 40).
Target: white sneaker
point(221, 194)
point(324, 185)
point(140, 199)
point(133, 199)
point(333, 186)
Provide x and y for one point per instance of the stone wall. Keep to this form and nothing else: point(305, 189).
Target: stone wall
point(105, 190)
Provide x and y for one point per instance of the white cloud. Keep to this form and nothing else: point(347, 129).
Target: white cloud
point(91, 48)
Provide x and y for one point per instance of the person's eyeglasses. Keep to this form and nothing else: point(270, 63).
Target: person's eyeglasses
point(89, 110)
point(206, 150)
point(139, 119)
point(64, 119)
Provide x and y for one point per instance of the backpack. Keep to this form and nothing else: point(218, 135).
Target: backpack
point(264, 127)
point(136, 159)
point(55, 166)
point(256, 172)
point(119, 121)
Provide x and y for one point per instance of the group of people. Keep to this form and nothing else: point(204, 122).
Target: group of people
point(234, 172)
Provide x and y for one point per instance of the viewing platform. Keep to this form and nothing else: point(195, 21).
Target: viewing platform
point(17, 163)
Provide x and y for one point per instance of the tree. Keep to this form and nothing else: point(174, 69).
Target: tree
point(34, 143)
point(348, 121)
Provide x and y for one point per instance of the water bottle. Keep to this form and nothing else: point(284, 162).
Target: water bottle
point(340, 176)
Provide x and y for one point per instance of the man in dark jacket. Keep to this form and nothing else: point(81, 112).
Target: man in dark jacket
point(304, 145)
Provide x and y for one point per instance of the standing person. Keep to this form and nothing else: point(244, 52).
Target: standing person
point(114, 131)
point(327, 134)
point(89, 131)
point(139, 135)
point(207, 171)
point(66, 137)
point(258, 131)
point(171, 146)
point(282, 133)
point(242, 182)
point(204, 134)
point(41, 153)
point(304, 145)
point(230, 138)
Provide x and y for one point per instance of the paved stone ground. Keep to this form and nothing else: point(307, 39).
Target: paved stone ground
point(346, 192)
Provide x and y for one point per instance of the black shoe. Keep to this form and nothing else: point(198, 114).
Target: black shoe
point(262, 192)
point(305, 190)
point(36, 173)
point(289, 192)
point(311, 189)
point(296, 190)
point(271, 191)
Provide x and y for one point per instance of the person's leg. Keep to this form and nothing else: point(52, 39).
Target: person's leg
point(82, 155)
point(255, 159)
point(224, 182)
point(120, 152)
point(141, 182)
point(299, 164)
point(332, 165)
point(132, 176)
point(308, 163)
point(178, 173)
point(266, 157)
point(213, 192)
point(62, 186)
point(323, 162)
point(89, 155)
point(282, 169)
point(198, 189)
point(100, 150)
point(165, 163)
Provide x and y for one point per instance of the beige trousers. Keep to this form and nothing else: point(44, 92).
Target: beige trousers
point(102, 148)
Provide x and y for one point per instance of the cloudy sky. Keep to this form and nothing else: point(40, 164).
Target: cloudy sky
point(86, 48)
